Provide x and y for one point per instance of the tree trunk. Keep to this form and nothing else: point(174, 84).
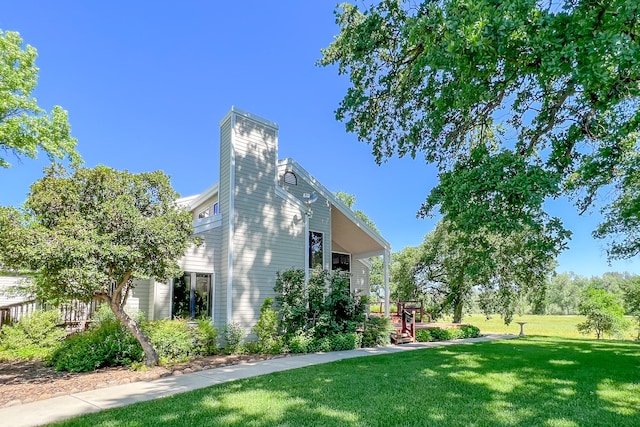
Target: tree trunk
point(151, 356)
point(457, 309)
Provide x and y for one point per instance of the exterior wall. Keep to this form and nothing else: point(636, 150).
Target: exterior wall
point(140, 297)
point(359, 278)
point(204, 205)
point(268, 231)
point(225, 200)
point(161, 300)
point(7, 282)
point(320, 221)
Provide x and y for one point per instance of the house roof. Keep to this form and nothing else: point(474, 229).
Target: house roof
point(360, 239)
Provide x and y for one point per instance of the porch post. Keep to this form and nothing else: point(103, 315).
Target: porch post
point(386, 256)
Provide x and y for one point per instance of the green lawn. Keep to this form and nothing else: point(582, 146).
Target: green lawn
point(550, 326)
point(532, 381)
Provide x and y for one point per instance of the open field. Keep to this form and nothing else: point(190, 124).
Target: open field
point(550, 326)
point(533, 381)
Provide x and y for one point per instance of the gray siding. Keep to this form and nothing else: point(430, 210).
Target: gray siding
point(140, 297)
point(6, 297)
point(204, 205)
point(200, 258)
point(320, 221)
point(359, 278)
point(162, 300)
point(224, 198)
point(268, 235)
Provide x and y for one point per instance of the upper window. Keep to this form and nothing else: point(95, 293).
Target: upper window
point(205, 213)
point(290, 178)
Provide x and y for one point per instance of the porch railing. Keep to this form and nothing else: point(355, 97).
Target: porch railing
point(75, 315)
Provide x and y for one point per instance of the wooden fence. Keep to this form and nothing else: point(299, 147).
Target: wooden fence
point(75, 315)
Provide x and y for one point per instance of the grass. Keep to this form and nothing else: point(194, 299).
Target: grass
point(532, 381)
point(550, 326)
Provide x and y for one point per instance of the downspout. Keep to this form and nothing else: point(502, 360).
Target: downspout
point(306, 248)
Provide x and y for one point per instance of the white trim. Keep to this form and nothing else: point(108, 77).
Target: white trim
point(231, 219)
point(342, 253)
point(387, 294)
point(365, 255)
point(302, 173)
point(171, 298)
point(306, 248)
point(205, 224)
point(213, 296)
point(284, 194)
point(200, 198)
point(237, 111)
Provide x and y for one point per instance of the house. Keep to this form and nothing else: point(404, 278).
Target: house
point(263, 216)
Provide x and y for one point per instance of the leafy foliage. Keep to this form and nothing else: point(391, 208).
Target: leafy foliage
point(34, 336)
point(454, 266)
point(266, 329)
point(327, 307)
point(377, 331)
point(423, 335)
point(516, 102)
point(24, 126)
point(631, 291)
point(107, 343)
point(604, 314)
point(234, 335)
point(177, 340)
point(90, 233)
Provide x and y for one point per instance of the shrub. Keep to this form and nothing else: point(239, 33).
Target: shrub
point(267, 330)
point(34, 336)
point(423, 335)
point(377, 332)
point(440, 334)
point(174, 340)
point(604, 313)
point(234, 335)
point(107, 343)
point(346, 341)
point(470, 331)
point(325, 306)
point(302, 342)
point(206, 336)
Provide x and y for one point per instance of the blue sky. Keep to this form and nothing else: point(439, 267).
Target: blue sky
point(146, 83)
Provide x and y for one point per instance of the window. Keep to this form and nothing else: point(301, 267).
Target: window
point(207, 212)
point(340, 262)
point(290, 178)
point(191, 296)
point(315, 250)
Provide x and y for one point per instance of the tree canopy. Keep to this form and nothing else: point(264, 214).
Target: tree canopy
point(516, 102)
point(25, 127)
point(89, 234)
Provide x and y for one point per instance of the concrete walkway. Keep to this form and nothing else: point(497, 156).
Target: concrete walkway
point(72, 405)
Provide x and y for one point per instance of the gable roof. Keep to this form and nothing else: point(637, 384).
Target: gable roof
point(343, 209)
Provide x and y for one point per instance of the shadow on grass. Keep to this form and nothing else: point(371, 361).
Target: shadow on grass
point(537, 381)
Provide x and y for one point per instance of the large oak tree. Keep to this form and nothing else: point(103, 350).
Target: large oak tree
point(516, 101)
point(26, 128)
point(90, 233)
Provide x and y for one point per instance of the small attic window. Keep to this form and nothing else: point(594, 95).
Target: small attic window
point(290, 178)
